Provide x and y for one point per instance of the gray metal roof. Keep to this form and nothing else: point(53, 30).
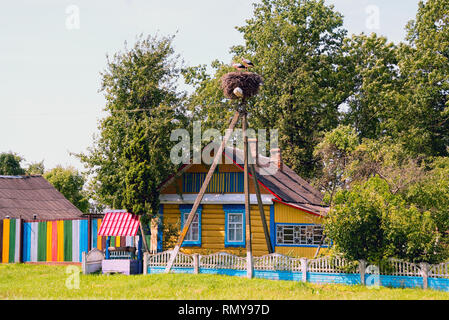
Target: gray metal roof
point(26, 196)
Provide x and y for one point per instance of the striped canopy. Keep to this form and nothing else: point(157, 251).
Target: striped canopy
point(119, 224)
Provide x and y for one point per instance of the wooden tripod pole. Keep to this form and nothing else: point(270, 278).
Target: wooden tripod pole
point(249, 251)
point(259, 202)
point(202, 191)
point(261, 210)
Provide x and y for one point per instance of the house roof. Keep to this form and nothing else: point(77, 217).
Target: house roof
point(26, 196)
point(285, 185)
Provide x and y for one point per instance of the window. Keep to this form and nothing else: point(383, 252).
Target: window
point(299, 234)
point(193, 236)
point(234, 225)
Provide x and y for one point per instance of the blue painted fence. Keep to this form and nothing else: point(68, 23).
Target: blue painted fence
point(320, 271)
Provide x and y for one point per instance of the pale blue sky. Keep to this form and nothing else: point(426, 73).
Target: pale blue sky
point(49, 74)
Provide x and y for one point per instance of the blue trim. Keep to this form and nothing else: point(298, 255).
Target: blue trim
point(108, 243)
point(160, 229)
point(272, 228)
point(297, 245)
point(139, 248)
point(186, 208)
point(234, 208)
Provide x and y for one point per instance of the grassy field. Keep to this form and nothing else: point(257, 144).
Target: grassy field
point(24, 281)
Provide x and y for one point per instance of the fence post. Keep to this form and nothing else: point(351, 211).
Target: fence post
point(362, 269)
point(304, 269)
point(196, 263)
point(145, 262)
point(425, 274)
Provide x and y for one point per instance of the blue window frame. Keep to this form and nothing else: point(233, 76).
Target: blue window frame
point(299, 235)
point(193, 236)
point(234, 225)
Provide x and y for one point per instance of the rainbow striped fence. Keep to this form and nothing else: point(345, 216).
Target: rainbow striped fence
point(51, 241)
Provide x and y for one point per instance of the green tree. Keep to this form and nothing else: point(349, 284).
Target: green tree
point(375, 84)
point(370, 222)
point(10, 164)
point(334, 152)
point(422, 118)
point(131, 154)
point(70, 183)
point(297, 48)
point(36, 168)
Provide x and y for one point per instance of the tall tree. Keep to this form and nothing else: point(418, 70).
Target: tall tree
point(296, 47)
point(375, 84)
point(131, 154)
point(422, 121)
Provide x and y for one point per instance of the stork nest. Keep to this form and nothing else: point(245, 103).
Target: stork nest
point(249, 82)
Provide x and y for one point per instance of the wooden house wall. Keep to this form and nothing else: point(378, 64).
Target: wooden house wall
point(177, 186)
point(286, 214)
point(51, 241)
point(213, 230)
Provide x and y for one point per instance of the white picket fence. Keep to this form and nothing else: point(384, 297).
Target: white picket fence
point(439, 270)
point(279, 262)
point(161, 259)
point(332, 265)
point(398, 267)
point(222, 260)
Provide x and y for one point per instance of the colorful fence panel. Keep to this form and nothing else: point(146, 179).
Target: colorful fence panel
point(51, 241)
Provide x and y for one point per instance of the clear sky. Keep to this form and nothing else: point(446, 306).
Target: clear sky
point(51, 53)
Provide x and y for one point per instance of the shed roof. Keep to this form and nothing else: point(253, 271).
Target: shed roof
point(119, 223)
point(27, 196)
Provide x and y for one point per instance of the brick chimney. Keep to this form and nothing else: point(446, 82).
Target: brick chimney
point(276, 157)
point(252, 150)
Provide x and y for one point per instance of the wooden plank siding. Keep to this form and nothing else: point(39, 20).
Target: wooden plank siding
point(286, 214)
point(177, 186)
point(213, 230)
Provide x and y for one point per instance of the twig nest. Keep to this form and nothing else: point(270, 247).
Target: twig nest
point(245, 84)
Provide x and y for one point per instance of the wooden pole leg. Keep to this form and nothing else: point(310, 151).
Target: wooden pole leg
point(249, 252)
point(261, 210)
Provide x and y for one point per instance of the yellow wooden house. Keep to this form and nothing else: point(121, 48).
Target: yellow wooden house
point(293, 209)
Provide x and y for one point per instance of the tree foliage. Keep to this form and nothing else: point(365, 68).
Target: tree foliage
point(131, 154)
point(70, 183)
point(370, 222)
point(296, 47)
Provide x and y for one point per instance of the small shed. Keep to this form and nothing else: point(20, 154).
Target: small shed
point(127, 259)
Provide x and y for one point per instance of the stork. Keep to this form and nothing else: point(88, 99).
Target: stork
point(247, 63)
point(239, 66)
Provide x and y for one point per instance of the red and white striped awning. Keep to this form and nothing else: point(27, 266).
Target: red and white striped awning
point(119, 223)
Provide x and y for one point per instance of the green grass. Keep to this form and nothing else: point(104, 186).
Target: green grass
point(25, 281)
